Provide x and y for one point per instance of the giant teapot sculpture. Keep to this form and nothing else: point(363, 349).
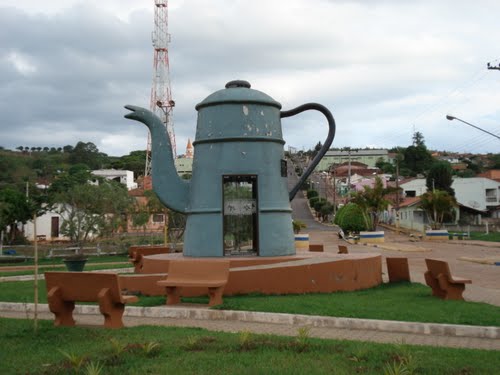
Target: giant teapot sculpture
point(237, 201)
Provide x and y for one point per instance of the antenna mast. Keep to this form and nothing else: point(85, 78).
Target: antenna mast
point(161, 95)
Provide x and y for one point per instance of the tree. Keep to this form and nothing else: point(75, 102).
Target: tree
point(14, 209)
point(134, 162)
point(86, 209)
point(76, 175)
point(440, 177)
point(418, 139)
point(416, 157)
point(384, 166)
point(438, 204)
point(87, 153)
point(68, 149)
point(91, 210)
point(316, 149)
point(372, 202)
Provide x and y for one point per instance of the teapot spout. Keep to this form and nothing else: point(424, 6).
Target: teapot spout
point(169, 187)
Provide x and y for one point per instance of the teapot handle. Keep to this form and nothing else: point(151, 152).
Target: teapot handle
point(326, 145)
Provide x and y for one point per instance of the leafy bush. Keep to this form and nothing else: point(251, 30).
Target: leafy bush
point(338, 216)
point(311, 193)
point(350, 218)
point(318, 204)
point(298, 226)
point(313, 200)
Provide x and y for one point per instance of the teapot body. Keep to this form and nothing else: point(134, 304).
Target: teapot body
point(239, 196)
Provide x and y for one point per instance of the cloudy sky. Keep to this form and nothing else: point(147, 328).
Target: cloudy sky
point(385, 68)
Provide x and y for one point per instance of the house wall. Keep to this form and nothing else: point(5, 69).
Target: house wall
point(368, 157)
point(412, 218)
point(44, 227)
point(470, 192)
point(124, 177)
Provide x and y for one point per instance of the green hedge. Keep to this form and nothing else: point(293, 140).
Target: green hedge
point(350, 218)
point(311, 193)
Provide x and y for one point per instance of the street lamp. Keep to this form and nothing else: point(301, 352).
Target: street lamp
point(451, 118)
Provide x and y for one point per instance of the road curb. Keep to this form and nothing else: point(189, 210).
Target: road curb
point(451, 330)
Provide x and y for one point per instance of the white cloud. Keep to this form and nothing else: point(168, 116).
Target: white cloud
point(385, 68)
point(21, 63)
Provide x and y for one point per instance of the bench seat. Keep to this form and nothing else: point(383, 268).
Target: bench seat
point(66, 288)
point(211, 274)
point(444, 285)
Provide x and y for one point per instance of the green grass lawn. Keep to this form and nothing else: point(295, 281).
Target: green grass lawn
point(481, 236)
point(171, 350)
point(402, 302)
point(56, 264)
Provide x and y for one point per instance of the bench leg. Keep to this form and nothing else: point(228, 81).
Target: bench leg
point(113, 312)
point(451, 291)
point(434, 284)
point(215, 295)
point(63, 310)
point(173, 295)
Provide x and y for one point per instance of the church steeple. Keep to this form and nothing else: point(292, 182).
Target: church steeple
point(189, 150)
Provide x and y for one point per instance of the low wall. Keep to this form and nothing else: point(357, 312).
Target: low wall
point(281, 275)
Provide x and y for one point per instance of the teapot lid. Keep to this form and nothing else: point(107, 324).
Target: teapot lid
point(238, 91)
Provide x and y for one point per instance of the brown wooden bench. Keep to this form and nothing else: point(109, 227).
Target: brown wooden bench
point(343, 249)
point(136, 253)
point(64, 288)
point(316, 248)
point(443, 284)
point(212, 274)
point(398, 270)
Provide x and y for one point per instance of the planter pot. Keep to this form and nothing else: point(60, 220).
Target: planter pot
point(371, 236)
point(75, 265)
point(302, 241)
point(436, 235)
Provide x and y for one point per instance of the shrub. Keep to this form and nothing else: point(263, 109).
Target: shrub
point(350, 218)
point(338, 218)
point(298, 226)
point(311, 193)
point(318, 204)
point(313, 200)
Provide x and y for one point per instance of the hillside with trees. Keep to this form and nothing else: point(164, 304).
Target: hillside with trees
point(35, 179)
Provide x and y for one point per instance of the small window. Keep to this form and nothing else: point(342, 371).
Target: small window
point(158, 218)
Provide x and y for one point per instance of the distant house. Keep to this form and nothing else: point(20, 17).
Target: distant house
point(156, 222)
point(48, 227)
point(411, 216)
point(493, 174)
point(124, 177)
point(478, 197)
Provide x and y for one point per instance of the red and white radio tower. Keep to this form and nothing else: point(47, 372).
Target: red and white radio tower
point(161, 95)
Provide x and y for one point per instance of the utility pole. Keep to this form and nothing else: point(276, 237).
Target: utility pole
point(397, 193)
point(349, 151)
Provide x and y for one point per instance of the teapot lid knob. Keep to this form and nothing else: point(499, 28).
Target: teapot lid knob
point(238, 83)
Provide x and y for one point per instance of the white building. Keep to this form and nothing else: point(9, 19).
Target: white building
point(48, 227)
point(124, 177)
point(479, 194)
